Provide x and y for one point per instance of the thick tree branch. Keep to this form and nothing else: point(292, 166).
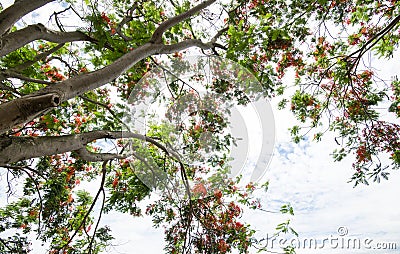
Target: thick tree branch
point(85, 155)
point(168, 49)
point(13, 111)
point(157, 35)
point(80, 84)
point(20, 8)
point(20, 38)
point(75, 86)
point(13, 149)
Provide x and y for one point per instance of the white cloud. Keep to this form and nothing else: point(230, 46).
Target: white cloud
point(303, 175)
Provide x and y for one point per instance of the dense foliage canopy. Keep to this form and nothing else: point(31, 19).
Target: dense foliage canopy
point(65, 84)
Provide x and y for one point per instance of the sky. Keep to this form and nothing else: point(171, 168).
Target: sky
point(303, 175)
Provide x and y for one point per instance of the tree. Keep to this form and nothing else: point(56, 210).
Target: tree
point(54, 110)
point(54, 107)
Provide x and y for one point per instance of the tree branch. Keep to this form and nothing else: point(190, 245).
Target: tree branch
point(124, 21)
point(372, 42)
point(100, 190)
point(5, 244)
point(20, 38)
point(219, 33)
point(5, 87)
point(20, 8)
point(80, 84)
point(12, 74)
point(157, 35)
point(107, 108)
point(37, 58)
point(168, 49)
point(12, 112)
point(85, 155)
point(13, 149)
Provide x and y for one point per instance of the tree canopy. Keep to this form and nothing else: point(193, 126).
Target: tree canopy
point(65, 86)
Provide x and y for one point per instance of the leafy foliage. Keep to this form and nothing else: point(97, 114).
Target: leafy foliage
point(324, 43)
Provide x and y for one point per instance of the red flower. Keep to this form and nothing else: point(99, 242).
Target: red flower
point(115, 182)
point(238, 225)
point(200, 189)
point(222, 246)
point(218, 194)
point(105, 18)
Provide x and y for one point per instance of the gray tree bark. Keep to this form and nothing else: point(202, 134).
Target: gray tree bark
point(13, 149)
point(20, 38)
point(28, 107)
point(20, 8)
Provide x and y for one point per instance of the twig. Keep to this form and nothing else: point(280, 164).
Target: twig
point(103, 179)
